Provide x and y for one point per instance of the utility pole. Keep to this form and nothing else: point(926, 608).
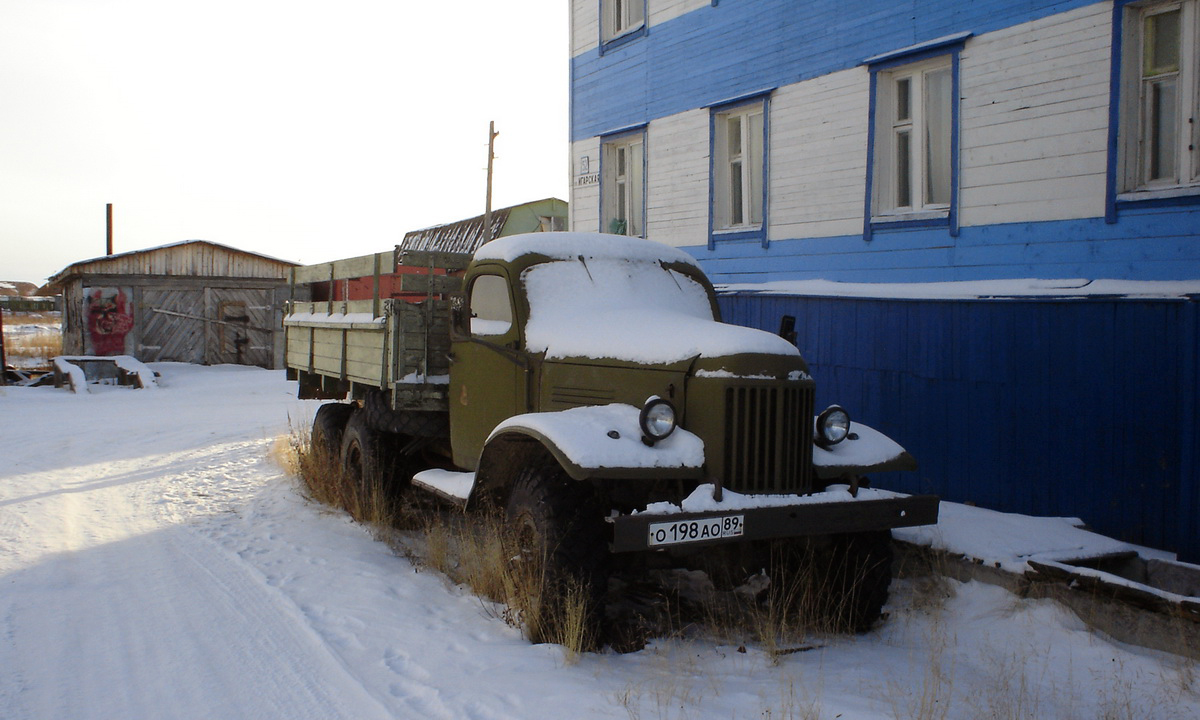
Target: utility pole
point(487, 213)
point(110, 230)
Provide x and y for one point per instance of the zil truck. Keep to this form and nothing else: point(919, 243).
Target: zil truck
point(584, 386)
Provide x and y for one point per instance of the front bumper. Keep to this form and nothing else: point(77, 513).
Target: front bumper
point(632, 533)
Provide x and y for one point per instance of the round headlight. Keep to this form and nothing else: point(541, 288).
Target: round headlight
point(833, 425)
point(658, 418)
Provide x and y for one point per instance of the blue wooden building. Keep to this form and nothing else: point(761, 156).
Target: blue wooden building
point(1004, 197)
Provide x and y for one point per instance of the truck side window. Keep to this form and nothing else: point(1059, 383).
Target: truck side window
point(491, 309)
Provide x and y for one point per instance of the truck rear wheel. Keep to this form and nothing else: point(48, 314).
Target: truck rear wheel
point(325, 441)
point(559, 530)
point(372, 468)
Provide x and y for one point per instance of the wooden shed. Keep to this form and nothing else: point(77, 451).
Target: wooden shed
point(194, 301)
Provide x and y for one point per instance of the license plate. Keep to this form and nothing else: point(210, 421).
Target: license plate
point(686, 531)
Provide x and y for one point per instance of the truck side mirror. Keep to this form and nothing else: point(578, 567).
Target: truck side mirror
point(787, 328)
point(460, 321)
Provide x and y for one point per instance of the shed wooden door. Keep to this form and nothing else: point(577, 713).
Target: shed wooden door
point(241, 333)
point(171, 337)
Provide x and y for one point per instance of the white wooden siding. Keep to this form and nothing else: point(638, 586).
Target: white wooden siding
point(1034, 114)
point(585, 25)
point(660, 11)
point(818, 156)
point(677, 179)
point(583, 214)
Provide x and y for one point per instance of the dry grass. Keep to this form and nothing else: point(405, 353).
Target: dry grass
point(481, 552)
point(793, 609)
point(325, 482)
point(34, 347)
point(484, 553)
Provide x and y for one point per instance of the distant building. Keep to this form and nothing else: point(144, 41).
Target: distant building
point(465, 236)
point(194, 301)
point(885, 142)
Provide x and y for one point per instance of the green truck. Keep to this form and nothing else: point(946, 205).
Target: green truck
point(584, 385)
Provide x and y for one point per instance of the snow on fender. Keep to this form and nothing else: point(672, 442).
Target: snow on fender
point(864, 450)
point(589, 440)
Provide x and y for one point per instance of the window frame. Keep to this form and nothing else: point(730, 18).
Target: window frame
point(612, 193)
point(721, 225)
point(935, 55)
point(1128, 181)
point(504, 293)
point(907, 194)
point(615, 32)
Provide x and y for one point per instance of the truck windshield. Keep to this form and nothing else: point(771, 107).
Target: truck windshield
point(581, 288)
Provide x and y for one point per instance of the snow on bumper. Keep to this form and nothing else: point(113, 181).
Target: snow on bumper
point(702, 520)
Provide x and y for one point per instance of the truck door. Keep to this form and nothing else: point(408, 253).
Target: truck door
point(488, 378)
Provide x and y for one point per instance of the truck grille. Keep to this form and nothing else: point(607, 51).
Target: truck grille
point(768, 439)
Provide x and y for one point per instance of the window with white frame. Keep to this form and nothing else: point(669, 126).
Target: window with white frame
point(621, 17)
point(623, 185)
point(738, 177)
point(913, 136)
point(1160, 105)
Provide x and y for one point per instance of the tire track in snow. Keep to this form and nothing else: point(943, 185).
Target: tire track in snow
point(126, 611)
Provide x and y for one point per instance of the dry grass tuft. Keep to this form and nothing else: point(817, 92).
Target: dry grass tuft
point(481, 552)
point(791, 610)
point(325, 482)
point(486, 555)
point(31, 347)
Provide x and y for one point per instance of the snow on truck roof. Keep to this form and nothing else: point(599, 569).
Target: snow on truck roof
point(570, 245)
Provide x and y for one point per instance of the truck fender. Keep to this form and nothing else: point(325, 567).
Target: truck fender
point(590, 443)
point(865, 450)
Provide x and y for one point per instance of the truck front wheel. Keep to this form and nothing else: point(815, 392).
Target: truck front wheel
point(560, 541)
point(859, 573)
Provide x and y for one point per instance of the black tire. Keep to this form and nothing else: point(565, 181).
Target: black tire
point(859, 568)
point(560, 520)
point(329, 424)
point(371, 461)
point(413, 423)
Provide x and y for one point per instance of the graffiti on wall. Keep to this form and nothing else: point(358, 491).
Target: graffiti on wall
point(109, 318)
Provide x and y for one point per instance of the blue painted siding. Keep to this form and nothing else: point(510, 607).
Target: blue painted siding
point(741, 46)
point(1041, 407)
point(1145, 244)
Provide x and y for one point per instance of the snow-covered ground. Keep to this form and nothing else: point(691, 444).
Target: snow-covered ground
point(155, 562)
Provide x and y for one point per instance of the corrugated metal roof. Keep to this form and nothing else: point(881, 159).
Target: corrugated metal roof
point(189, 258)
point(464, 236)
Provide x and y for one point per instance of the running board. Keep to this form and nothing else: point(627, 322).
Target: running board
point(453, 487)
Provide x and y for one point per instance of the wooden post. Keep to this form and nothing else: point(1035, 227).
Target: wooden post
point(109, 245)
point(487, 213)
point(375, 295)
point(332, 287)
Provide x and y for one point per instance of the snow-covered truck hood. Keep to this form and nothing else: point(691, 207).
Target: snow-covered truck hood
point(649, 338)
point(632, 311)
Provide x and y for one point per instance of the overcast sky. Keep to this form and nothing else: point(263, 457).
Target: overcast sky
point(305, 131)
